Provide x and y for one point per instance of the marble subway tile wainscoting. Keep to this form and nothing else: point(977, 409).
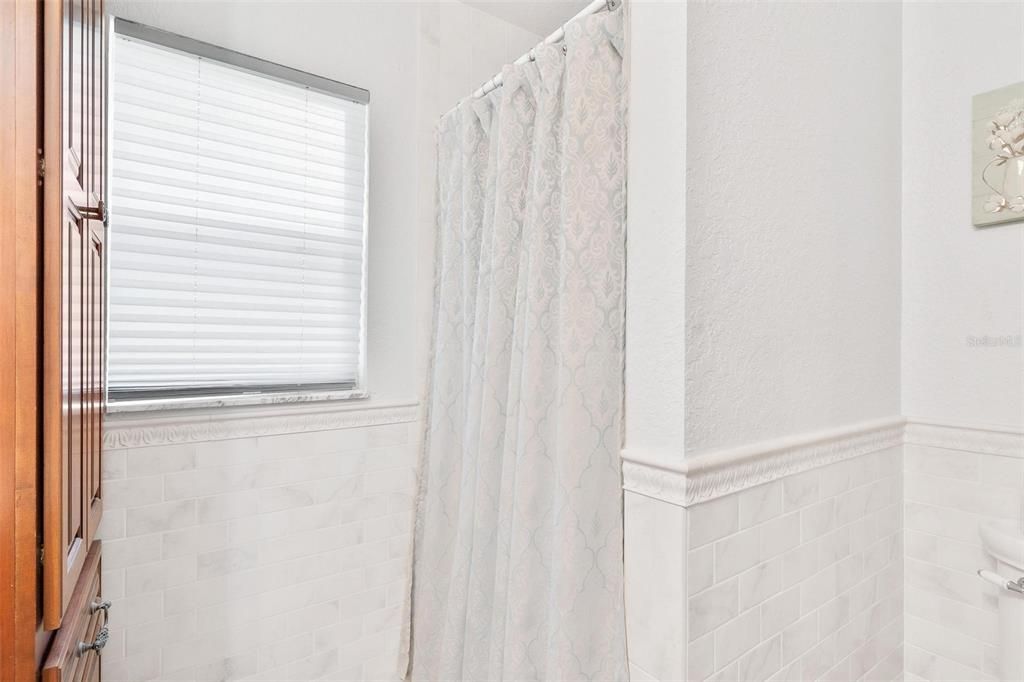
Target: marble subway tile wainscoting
point(258, 549)
point(800, 577)
point(955, 479)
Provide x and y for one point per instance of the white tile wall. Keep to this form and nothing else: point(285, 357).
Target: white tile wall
point(951, 615)
point(283, 557)
point(271, 558)
point(655, 587)
point(800, 578)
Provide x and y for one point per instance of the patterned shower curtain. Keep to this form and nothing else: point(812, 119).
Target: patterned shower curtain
point(518, 541)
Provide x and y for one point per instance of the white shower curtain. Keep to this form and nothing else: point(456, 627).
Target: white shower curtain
point(518, 544)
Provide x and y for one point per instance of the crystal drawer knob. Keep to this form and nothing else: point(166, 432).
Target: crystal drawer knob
point(97, 644)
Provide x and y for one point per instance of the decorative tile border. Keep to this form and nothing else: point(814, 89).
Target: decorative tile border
point(669, 477)
point(130, 430)
point(989, 440)
point(719, 473)
point(654, 475)
point(662, 476)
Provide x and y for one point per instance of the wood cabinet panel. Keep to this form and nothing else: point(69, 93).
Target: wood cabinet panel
point(74, 69)
point(52, 298)
point(74, 653)
point(20, 299)
point(93, 395)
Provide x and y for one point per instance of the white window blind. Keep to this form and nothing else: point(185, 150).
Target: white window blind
point(237, 229)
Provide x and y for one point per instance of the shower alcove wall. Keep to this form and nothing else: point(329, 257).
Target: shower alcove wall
point(801, 405)
point(272, 542)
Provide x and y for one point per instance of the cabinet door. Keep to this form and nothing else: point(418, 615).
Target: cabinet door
point(75, 651)
point(74, 294)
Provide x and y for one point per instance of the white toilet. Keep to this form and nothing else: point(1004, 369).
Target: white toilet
point(1004, 541)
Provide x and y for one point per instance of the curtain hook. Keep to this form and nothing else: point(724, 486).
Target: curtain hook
point(611, 4)
point(533, 56)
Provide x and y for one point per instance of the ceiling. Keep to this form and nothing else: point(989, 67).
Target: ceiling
point(539, 17)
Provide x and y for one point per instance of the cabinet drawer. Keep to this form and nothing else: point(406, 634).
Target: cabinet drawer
point(83, 622)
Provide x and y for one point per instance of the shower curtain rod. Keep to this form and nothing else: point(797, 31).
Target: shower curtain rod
point(593, 8)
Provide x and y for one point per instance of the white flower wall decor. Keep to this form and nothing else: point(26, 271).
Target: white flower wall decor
point(998, 151)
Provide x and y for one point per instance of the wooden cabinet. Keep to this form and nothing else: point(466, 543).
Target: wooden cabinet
point(76, 648)
point(53, 145)
point(21, 638)
point(74, 70)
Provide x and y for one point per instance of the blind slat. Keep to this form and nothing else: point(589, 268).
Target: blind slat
point(152, 264)
point(238, 190)
point(230, 257)
point(237, 227)
point(350, 170)
point(328, 346)
point(179, 119)
point(205, 133)
point(236, 173)
point(183, 86)
point(304, 216)
point(143, 336)
point(197, 303)
point(197, 319)
point(280, 291)
point(343, 231)
point(290, 245)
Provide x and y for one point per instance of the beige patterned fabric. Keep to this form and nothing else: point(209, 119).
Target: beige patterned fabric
point(518, 544)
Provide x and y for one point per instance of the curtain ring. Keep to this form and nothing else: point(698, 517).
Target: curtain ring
point(611, 4)
point(533, 56)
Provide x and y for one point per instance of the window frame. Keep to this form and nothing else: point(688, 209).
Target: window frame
point(142, 399)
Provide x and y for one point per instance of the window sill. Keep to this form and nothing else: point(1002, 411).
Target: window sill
point(241, 400)
point(169, 426)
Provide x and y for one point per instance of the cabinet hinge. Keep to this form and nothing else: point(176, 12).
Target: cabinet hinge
point(42, 167)
point(41, 548)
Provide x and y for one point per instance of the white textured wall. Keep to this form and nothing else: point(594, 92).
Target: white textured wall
point(474, 47)
point(958, 281)
point(793, 212)
point(656, 257)
point(793, 328)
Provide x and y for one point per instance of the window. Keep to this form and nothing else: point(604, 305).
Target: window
point(237, 223)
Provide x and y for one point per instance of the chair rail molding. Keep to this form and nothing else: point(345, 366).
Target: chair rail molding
point(659, 475)
point(702, 477)
point(140, 429)
point(1005, 441)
